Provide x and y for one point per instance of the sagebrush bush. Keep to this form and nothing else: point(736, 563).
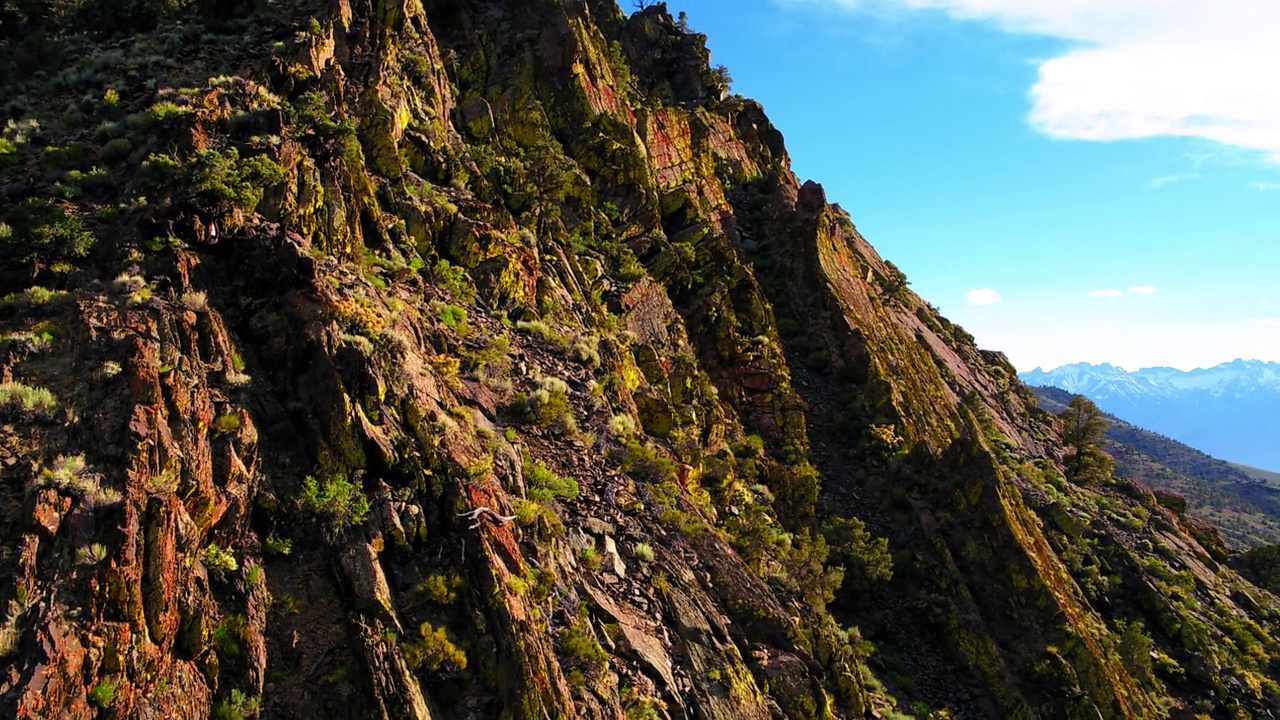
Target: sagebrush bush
point(542, 330)
point(586, 350)
point(40, 401)
point(643, 551)
point(547, 405)
point(622, 427)
point(196, 300)
point(71, 473)
point(32, 297)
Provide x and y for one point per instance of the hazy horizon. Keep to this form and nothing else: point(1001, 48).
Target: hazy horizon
point(1124, 368)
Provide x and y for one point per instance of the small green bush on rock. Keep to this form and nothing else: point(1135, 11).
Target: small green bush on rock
point(336, 500)
point(34, 400)
point(219, 560)
point(435, 651)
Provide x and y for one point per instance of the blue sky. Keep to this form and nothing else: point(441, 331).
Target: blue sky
point(1116, 189)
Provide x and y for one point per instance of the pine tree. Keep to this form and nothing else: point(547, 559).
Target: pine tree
point(1085, 427)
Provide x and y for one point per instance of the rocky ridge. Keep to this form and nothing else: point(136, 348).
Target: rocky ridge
point(377, 358)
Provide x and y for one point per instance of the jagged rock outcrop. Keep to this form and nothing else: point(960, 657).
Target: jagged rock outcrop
point(385, 358)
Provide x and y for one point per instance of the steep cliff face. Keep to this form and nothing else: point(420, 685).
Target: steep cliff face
point(378, 358)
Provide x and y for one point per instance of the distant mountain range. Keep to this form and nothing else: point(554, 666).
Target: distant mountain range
point(1243, 502)
point(1231, 411)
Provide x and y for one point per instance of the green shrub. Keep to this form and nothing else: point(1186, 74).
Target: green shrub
point(434, 196)
point(219, 177)
point(104, 693)
point(91, 554)
point(1261, 566)
point(39, 401)
point(442, 589)
point(622, 427)
point(544, 331)
point(642, 707)
point(33, 297)
point(1135, 651)
point(311, 113)
point(229, 633)
point(545, 486)
point(335, 500)
point(646, 464)
point(858, 550)
point(452, 279)
point(547, 405)
point(167, 110)
point(225, 177)
point(591, 558)
point(71, 474)
point(227, 423)
point(359, 315)
point(586, 350)
point(579, 645)
point(237, 706)
point(277, 545)
point(435, 651)
point(42, 233)
point(643, 551)
point(492, 356)
point(10, 638)
point(218, 560)
point(117, 149)
point(75, 156)
point(453, 315)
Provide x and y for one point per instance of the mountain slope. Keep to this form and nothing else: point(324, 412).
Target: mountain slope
point(428, 360)
point(1245, 507)
point(1228, 411)
point(1267, 476)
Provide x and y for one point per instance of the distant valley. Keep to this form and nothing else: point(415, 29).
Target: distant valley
point(1243, 502)
point(1231, 411)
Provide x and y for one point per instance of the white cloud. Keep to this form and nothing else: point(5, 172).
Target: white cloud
point(1160, 182)
point(983, 296)
point(1144, 290)
point(1266, 186)
point(1107, 293)
point(1143, 68)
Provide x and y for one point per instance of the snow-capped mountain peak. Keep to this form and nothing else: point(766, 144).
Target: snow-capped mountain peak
point(1231, 410)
